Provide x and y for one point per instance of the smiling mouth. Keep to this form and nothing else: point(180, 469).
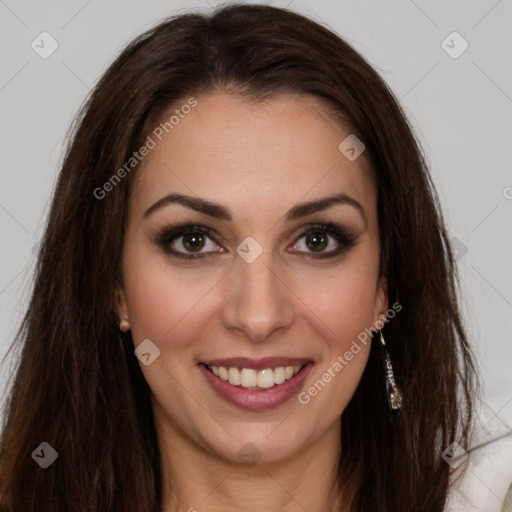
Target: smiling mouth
point(249, 378)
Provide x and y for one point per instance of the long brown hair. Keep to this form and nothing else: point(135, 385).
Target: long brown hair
point(78, 385)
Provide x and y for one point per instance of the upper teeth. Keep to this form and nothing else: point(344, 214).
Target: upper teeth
point(249, 378)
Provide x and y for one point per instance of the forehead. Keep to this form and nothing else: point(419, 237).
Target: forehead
point(253, 154)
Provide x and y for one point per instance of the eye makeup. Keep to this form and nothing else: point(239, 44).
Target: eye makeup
point(166, 238)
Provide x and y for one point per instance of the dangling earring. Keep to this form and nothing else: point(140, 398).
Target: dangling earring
point(124, 325)
point(395, 397)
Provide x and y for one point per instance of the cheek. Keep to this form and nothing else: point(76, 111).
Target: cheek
point(345, 310)
point(344, 305)
point(341, 304)
point(343, 299)
point(161, 300)
point(164, 300)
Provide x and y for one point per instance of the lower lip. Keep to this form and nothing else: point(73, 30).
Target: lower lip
point(257, 399)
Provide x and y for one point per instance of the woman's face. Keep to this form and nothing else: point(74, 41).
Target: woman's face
point(266, 286)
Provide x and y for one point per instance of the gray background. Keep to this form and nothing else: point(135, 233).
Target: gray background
point(460, 108)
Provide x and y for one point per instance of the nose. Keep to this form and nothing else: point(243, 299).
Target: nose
point(258, 301)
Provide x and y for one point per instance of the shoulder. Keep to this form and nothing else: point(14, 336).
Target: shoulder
point(507, 504)
point(486, 472)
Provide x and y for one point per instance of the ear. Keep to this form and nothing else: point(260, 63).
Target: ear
point(121, 308)
point(381, 300)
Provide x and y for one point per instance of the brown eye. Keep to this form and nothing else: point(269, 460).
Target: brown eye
point(324, 241)
point(317, 242)
point(193, 242)
point(188, 241)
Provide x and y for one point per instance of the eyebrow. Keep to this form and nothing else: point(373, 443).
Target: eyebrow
point(220, 212)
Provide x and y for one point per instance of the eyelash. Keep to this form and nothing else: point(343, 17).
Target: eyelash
point(345, 237)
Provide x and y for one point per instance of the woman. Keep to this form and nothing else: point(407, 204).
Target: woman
point(245, 298)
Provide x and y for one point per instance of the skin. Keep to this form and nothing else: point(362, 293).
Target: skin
point(257, 160)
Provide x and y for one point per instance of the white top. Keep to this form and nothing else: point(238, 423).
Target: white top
point(488, 464)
